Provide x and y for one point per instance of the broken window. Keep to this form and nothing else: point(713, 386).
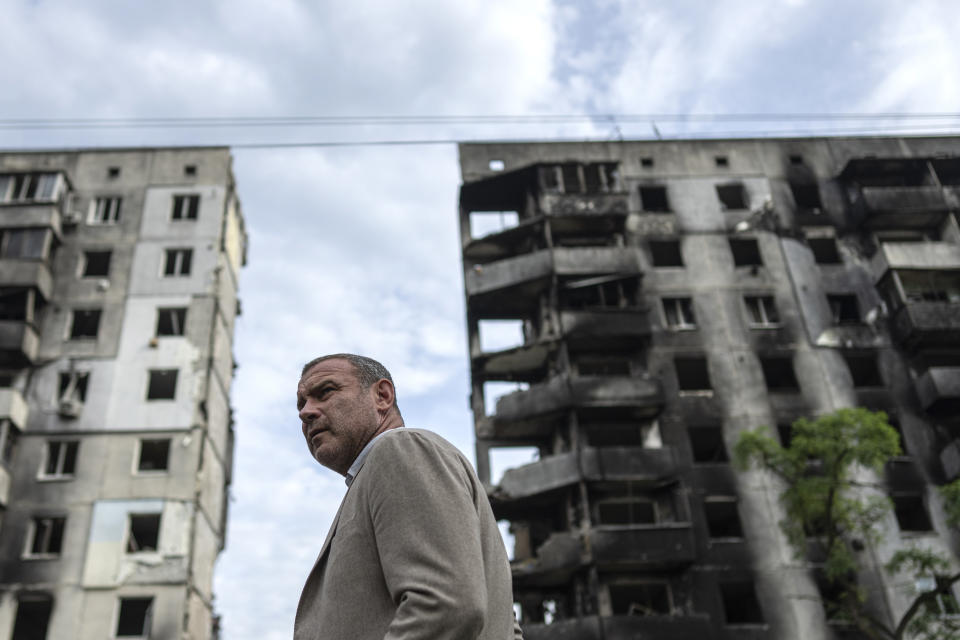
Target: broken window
point(144, 530)
point(930, 286)
point(571, 177)
point(154, 454)
point(28, 244)
point(844, 308)
point(911, 512)
point(611, 291)
point(483, 223)
point(806, 195)
point(96, 264)
point(171, 321)
point(864, 370)
point(11, 437)
point(600, 177)
point(746, 252)
point(707, 445)
point(47, 535)
point(162, 384)
point(654, 199)
point(177, 262)
point(73, 385)
point(824, 250)
point(732, 196)
point(86, 323)
point(185, 207)
point(61, 459)
point(630, 434)
point(692, 374)
point(105, 210)
point(740, 604)
point(679, 313)
point(723, 519)
point(778, 374)
point(761, 311)
point(627, 510)
point(133, 619)
point(640, 598)
point(33, 617)
point(665, 253)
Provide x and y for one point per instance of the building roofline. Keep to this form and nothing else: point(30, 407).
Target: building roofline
point(134, 149)
point(530, 141)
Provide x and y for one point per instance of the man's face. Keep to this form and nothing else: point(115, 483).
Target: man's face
point(338, 416)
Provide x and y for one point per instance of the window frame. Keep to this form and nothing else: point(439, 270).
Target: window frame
point(147, 617)
point(179, 255)
point(34, 529)
point(764, 312)
point(185, 207)
point(138, 458)
point(176, 380)
point(129, 537)
point(679, 305)
point(178, 317)
point(105, 210)
point(73, 320)
point(61, 448)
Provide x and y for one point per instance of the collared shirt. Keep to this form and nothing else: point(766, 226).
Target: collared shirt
point(355, 467)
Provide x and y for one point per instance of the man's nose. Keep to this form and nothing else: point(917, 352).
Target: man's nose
point(308, 412)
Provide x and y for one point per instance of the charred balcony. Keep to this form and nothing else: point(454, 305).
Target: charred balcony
point(939, 391)
point(676, 627)
point(921, 325)
point(19, 342)
point(643, 395)
point(895, 192)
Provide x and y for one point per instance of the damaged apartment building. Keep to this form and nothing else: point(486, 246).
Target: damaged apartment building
point(118, 296)
point(634, 306)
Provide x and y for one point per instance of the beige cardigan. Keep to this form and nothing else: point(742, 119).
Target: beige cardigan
point(413, 552)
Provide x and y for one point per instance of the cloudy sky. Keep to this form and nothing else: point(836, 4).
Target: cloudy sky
point(356, 248)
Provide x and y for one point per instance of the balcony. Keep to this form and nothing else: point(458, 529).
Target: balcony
point(19, 342)
point(898, 207)
point(568, 392)
point(602, 327)
point(26, 273)
point(593, 464)
point(32, 216)
point(914, 255)
point(920, 325)
point(681, 627)
point(939, 391)
point(586, 205)
point(524, 362)
point(511, 286)
point(13, 407)
point(621, 548)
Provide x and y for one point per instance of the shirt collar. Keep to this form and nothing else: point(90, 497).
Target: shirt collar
point(355, 467)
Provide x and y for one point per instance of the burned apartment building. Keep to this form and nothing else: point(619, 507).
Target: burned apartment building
point(118, 296)
point(664, 296)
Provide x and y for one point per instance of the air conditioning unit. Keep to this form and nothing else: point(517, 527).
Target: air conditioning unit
point(69, 408)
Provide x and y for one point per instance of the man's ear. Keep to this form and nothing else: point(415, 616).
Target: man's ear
point(383, 394)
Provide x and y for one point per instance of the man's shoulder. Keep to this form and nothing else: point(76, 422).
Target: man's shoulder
point(409, 439)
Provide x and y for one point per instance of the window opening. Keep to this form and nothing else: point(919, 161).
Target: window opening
point(723, 519)
point(28, 244)
point(11, 437)
point(778, 374)
point(185, 207)
point(171, 321)
point(628, 434)
point(806, 195)
point(47, 535)
point(113, 172)
point(613, 291)
point(746, 252)
point(189, 169)
point(154, 455)
point(96, 264)
point(162, 384)
point(844, 309)
point(679, 313)
point(144, 531)
point(494, 390)
point(571, 177)
point(740, 604)
point(911, 513)
point(26, 187)
point(496, 165)
point(177, 262)
point(732, 196)
point(762, 311)
point(666, 253)
point(721, 161)
point(504, 458)
point(33, 617)
point(692, 374)
point(796, 159)
point(654, 199)
point(785, 433)
point(646, 163)
point(864, 370)
point(640, 599)
point(824, 250)
point(707, 445)
point(61, 459)
point(599, 366)
point(930, 286)
point(86, 323)
point(483, 223)
point(133, 621)
point(105, 210)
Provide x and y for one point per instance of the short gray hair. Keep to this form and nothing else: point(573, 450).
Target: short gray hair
point(368, 370)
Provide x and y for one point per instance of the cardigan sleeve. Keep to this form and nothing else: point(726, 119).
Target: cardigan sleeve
point(428, 538)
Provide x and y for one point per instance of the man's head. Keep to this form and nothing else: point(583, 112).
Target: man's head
point(344, 401)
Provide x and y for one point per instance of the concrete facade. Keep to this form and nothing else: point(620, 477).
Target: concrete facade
point(664, 296)
point(118, 297)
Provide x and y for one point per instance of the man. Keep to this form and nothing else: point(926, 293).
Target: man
point(414, 551)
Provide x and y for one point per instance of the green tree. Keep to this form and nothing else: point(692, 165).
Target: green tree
point(831, 514)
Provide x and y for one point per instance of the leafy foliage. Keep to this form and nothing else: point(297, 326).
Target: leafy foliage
point(830, 513)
